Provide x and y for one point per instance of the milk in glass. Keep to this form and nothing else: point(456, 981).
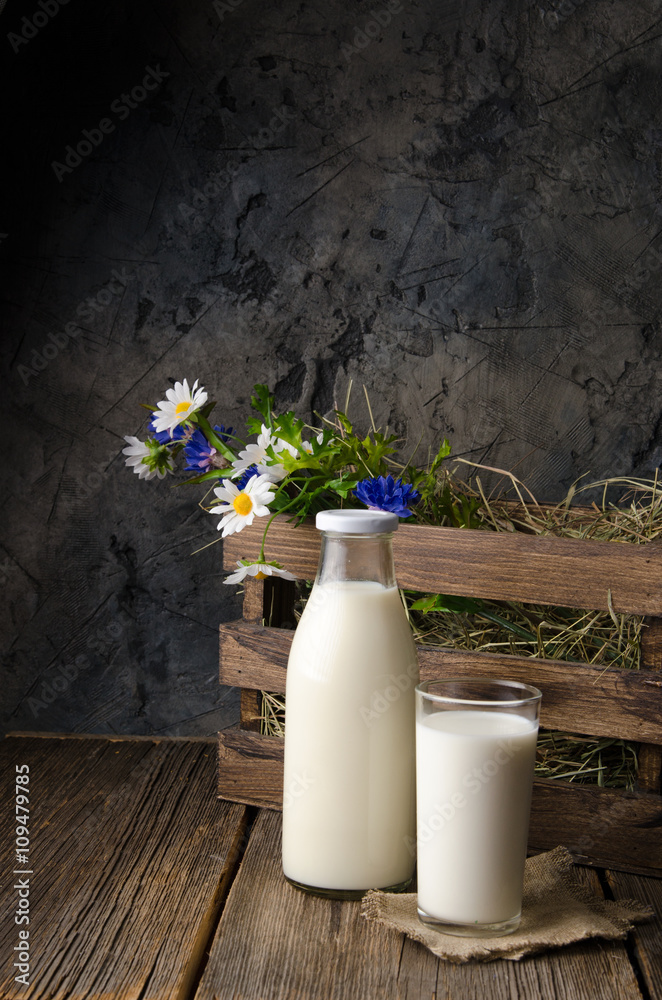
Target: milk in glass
point(474, 778)
point(349, 794)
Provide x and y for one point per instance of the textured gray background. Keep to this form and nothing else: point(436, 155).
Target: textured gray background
point(462, 213)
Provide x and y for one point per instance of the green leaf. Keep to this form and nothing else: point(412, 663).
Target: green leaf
point(509, 626)
point(428, 603)
point(288, 427)
point(213, 437)
point(207, 408)
point(444, 452)
point(343, 486)
point(448, 602)
point(213, 474)
point(254, 425)
point(263, 402)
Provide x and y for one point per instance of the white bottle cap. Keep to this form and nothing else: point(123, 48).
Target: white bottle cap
point(356, 522)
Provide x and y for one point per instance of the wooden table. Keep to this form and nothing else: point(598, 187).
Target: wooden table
point(144, 885)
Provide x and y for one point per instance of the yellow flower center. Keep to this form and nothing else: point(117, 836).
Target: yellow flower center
point(181, 408)
point(260, 576)
point(243, 504)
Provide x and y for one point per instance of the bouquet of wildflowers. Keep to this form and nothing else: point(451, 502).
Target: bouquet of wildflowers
point(290, 468)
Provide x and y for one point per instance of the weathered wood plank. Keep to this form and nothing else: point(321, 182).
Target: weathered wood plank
point(110, 738)
point(601, 827)
point(275, 943)
point(646, 938)
point(250, 701)
point(250, 768)
point(131, 854)
point(269, 601)
point(579, 698)
point(250, 710)
point(506, 566)
point(252, 605)
point(649, 772)
point(651, 644)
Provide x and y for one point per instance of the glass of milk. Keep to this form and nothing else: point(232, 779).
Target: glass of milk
point(349, 812)
point(475, 753)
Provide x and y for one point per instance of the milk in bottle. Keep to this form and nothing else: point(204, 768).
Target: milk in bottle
point(349, 792)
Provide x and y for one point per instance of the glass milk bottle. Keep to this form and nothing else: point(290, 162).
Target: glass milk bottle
point(349, 791)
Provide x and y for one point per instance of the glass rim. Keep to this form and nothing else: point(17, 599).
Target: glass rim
point(534, 694)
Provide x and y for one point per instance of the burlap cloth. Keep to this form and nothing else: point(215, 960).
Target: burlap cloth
point(556, 910)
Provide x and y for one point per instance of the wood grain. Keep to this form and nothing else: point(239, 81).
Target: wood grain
point(250, 701)
point(498, 566)
point(252, 609)
point(601, 827)
point(132, 855)
point(577, 697)
point(250, 768)
point(136, 880)
point(276, 943)
point(250, 710)
point(646, 938)
point(269, 601)
point(649, 772)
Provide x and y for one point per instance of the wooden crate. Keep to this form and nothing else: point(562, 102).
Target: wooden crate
point(616, 829)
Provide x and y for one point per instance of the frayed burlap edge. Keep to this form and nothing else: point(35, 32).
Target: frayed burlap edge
point(557, 910)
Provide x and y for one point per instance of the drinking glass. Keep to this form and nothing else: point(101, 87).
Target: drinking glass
point(475, 753)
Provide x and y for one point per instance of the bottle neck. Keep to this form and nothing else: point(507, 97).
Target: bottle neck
point(356, 557)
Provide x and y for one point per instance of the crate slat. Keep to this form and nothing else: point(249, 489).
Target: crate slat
point(252, 609)
point(575, 573)
point(649, 771)
point(250, 768)
point(600, 827)
point(577, 697)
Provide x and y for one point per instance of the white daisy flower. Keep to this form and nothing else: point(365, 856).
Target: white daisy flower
point(259, 570)
point(241, 506)
point(157, 465)
point(178, 406)
point(256, 454)
point(307, 445)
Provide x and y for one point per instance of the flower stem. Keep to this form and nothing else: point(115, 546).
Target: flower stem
point(274, 515)
point(213, 437)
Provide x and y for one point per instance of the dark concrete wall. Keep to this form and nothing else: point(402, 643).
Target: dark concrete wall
point(462, 212)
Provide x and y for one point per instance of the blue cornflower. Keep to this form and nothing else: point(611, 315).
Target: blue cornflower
point(199, 453)
point(386, 493)
point(223, 432)
point(252, 470)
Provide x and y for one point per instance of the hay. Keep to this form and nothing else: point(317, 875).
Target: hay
point(551, 633)
point(609, 763)
point(583, 636)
